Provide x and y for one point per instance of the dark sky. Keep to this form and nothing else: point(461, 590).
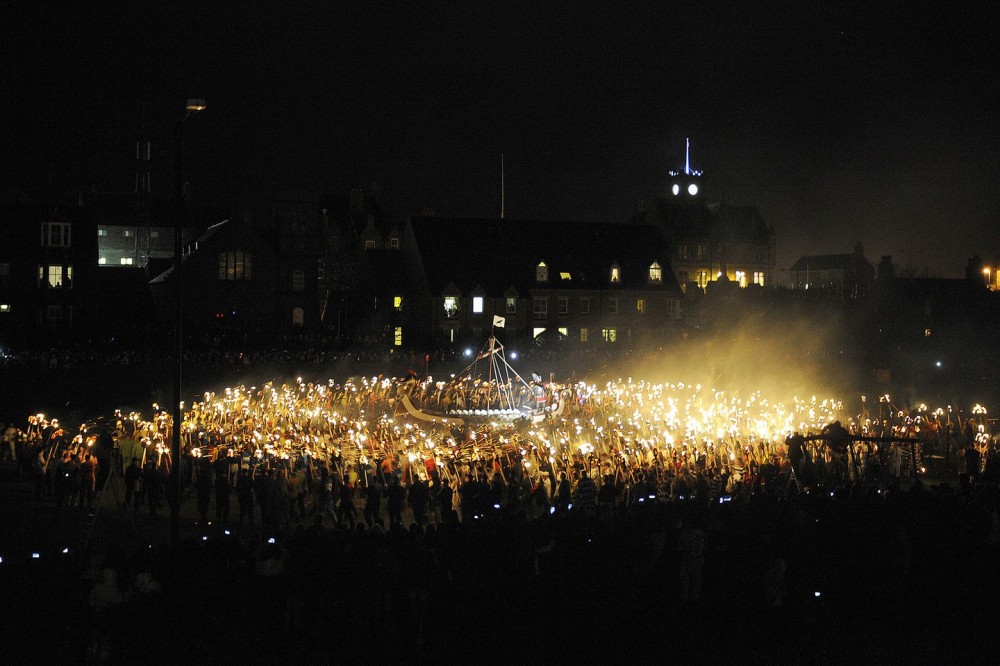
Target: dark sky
point(853, 121)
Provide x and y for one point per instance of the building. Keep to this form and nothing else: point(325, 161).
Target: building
point(710, 240)
point(47, 261)
point(583, 283)
point(843, 275)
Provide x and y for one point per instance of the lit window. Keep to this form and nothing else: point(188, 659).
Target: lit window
point(540, 308)
point(563, 305)
point(50, 276)
point(564, 332)
point(394, 243)
point(612, 306)
point(102, 261)
point(477, 304)
point(234, 265)
point(4, 307)
point(542, 272)
point(583, 335)
point(741, 278)
point(702, 279)
point(565, 276)
point(298, 281)
point(451, 307)
point(126, 261)
point(535, 332)
point(616, 274)
point(102, 232)
point(511, 304)
point(397, 303)
point(655, 273)
point(609, 334)
point(397, 336)
point(758, 278)
point(640, 305)
point(701, 250)
point(128, 233)
point(585, 306)
point(298, 317)
point(154, 234)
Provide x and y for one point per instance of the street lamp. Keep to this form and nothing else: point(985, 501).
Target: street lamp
point(192, 106)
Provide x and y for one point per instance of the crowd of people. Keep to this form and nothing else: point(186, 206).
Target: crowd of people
point(635, 518)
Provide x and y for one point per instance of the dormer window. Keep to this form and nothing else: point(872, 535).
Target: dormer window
point(541, 272)
point(616, 274)
point(565, 277)
point(655, 273)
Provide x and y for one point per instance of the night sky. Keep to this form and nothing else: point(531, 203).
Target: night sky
point(856, 121)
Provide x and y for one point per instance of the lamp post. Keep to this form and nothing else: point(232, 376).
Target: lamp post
point(192, 106)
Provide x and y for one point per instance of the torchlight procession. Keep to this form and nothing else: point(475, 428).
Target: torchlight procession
point(620, 430)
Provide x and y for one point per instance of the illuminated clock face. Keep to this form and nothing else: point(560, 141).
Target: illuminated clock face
point(692, 189)
point(676, 189)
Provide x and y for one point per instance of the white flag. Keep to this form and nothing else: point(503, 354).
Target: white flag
point(499, 321)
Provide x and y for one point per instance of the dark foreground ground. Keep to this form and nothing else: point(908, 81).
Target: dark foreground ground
point(906, 575)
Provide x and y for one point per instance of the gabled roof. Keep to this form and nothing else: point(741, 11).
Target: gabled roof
point(830, 262)
point(499, 253)
point(722, 222)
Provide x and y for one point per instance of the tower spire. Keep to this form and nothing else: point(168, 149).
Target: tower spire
point(687, 157)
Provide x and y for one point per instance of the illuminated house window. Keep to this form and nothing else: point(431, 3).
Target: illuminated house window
point(564, 332)
point(477, 304)
point(616, 274)
point(563, 305)
point(397, 336)
point(511, 305)
point(585, 306)
point(102, 232)
point(583, 335)
point(298, 281)
point(640, 305)
point(609, 334)
point(565, 276)
point(126, 261)
point(702, 279)
point(535, 332)
point(541, 272)
point(655, 273)
point(394, 243)
point(128, 233)
point(55, 234)
point(612, 306)
point(741, 278)
point(53, 276)
point(758, 278)
point(234, 265)
point(4, 307)
point(451, 307)
point(540, 308)
point(397, 303)
point(102, 261)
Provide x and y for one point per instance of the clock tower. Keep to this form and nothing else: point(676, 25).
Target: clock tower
point(686, 185)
